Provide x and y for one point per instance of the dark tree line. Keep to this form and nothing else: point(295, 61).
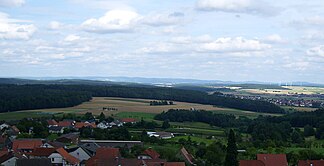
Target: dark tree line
point(22, 97)
point(175, 115)
point(15, 97)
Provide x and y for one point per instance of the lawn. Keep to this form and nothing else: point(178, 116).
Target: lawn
point(197, 131)
point(193, 138)
point(136, 115)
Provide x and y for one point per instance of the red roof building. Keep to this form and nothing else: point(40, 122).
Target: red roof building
point(26, 145)
point(128, 120)
point(65, 123)
point(52, 122)
point(104, 156)
point(67, 157)
point(251, 163)
point(273, 159)
point(152, 153)
point(310, 162)
point(42, 152)
point(79, 125)
point(187, 156)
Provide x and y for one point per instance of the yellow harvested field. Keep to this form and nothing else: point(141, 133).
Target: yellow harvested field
point(127, 105)
point(291, 90)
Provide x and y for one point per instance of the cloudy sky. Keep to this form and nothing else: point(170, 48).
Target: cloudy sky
point(238, 40)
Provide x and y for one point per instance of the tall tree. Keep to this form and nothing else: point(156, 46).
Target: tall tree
point(102, 117)
point(231, 150)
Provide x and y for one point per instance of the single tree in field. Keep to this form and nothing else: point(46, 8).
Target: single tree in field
point(231, 150)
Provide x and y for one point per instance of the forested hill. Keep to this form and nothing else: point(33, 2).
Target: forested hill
point(22, 97)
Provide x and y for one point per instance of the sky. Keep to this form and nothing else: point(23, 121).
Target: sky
point(232, 40)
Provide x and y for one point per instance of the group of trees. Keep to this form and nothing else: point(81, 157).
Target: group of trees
point(22, 97)
point(161, 102)
point(105, 134)
point(181, 115)
point(265, 131)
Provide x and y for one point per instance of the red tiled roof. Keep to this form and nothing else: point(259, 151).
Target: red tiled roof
point(26, 144)
point(251, 163)
point(273, 159)
point(152, 153)
point(52, 122)
point(309, 162)
point(79, 125)
point(69, 158)
point(128, 120)
point(187, 155)
point(64, 123)
point(104, 156)
point(43, 152)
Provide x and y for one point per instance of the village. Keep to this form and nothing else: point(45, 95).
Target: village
point(70, 149)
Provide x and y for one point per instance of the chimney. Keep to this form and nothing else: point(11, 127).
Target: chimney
point(162, 164)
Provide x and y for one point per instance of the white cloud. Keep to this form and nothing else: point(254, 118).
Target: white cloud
point(316, 51)
point(275, 38)
point(233, 45)
point(13, 29)
point(163, 19)
point(11, 3)
point(71, 38)
point(113, 21)
point(55, 25)
point(237, 6)
point(299, 65)
point(315, 20)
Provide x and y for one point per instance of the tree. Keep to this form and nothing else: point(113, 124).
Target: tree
point(102, 117)
point(308, 131)
point(231, 150)
point(166, 124)
point(296, 137)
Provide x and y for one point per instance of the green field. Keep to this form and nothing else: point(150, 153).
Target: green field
point(136, 115)
point(193, 138)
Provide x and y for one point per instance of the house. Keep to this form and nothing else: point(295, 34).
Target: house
point(42, 152)
point(251, 163)
point(188, 158)
point(105, 156)
point(56, 129)
point(149, 154)
point(66, 123)
point(128, 120)
point(8, 159)
point(4, 126)
point(273, 159)
point(79, 125)
point(52, 122)
point(62, 157)
point(5, 141)
point(310, 162)
point(13, 131)
point(92, 145)
point(34, 162)
point(79, 153)
point(116, 123)
point(161, 135)
point(53, 144)
point(26, 145)
point(103, 125)
point(71, 138)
